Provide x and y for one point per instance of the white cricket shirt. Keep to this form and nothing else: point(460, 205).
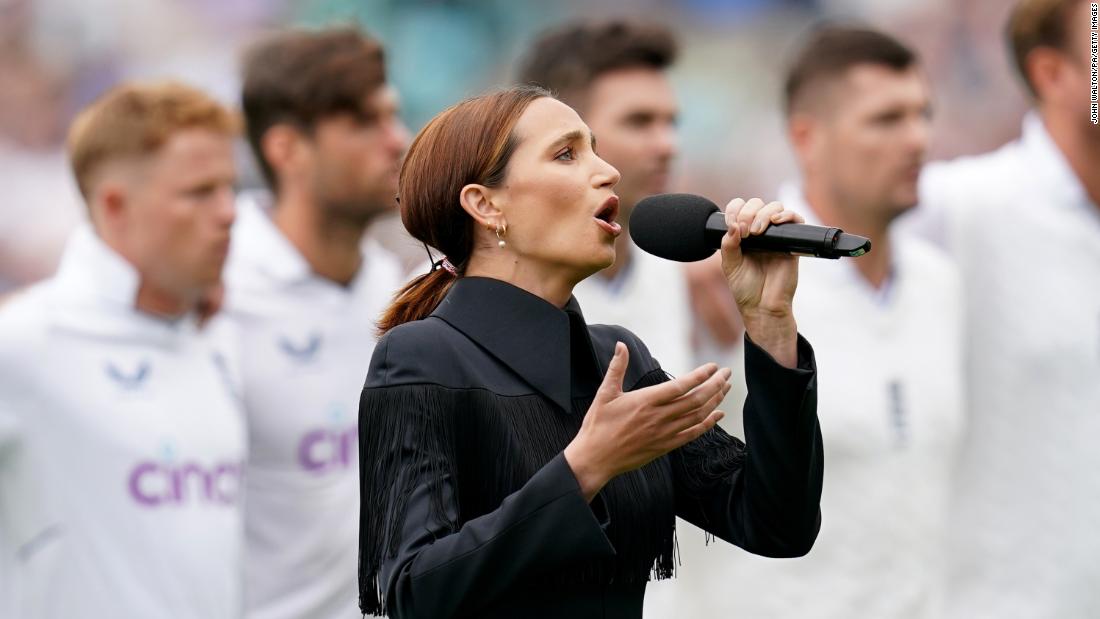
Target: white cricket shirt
point(304, 346)
point(1027, 536)
point(121, 448)
point(891, 408)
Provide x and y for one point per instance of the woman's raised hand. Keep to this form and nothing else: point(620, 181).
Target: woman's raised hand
point(762, 283)
point(623, 431)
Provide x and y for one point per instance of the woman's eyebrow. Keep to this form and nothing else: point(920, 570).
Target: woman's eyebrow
point(573, 136)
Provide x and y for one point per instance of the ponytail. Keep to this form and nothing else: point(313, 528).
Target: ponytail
point(417, 299)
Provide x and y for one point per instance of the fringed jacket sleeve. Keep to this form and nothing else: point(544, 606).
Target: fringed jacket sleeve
point(764, 495)
point(414, 560)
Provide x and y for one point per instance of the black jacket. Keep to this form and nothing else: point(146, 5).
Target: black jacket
point(469, 508)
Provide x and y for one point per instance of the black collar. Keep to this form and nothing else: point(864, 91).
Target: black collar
point(524, 331)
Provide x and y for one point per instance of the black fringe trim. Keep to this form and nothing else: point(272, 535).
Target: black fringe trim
point(489, 445)
point(704, 463)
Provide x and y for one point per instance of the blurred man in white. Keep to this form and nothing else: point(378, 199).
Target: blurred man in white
point(121, 440)
point(303, 294)
point(1024, 224)
point(613, 74)
point(888, 326)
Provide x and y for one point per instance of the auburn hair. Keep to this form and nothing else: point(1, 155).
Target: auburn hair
point(468, 143)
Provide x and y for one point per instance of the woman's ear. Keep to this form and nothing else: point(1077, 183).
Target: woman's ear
point(477, 201)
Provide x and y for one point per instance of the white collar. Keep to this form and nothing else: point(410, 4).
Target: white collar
point(97, 289)
point(262, 245)
point(1048, 164)
point(90, 269)
point(790, 194)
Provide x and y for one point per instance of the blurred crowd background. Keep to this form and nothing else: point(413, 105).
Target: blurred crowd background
point(58, 55)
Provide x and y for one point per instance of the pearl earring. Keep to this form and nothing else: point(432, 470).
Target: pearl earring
point(501, 231)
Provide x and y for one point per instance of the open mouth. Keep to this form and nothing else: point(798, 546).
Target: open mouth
point(605, 217)
point(607, 212)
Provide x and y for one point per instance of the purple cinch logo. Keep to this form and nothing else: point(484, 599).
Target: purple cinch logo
point(328, 449)
point(156, 484)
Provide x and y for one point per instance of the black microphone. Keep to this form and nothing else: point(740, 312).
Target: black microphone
point(686, 227)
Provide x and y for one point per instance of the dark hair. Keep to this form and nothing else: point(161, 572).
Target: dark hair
point(566, 60)
point(831, 50)
point(470, 142)
point(301, 77)
point(1037, 23)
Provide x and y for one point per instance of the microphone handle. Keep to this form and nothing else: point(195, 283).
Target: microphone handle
point(791, 238)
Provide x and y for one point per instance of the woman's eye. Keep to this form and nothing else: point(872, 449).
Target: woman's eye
point(565, 155)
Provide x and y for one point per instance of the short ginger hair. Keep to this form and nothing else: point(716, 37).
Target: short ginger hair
point(137, 119)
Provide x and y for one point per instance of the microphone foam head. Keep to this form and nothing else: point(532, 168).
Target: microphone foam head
point(673, 226)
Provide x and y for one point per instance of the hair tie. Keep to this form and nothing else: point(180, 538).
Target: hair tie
point(447, 266)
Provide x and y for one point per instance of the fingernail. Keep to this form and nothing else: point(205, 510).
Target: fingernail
point(756, 227)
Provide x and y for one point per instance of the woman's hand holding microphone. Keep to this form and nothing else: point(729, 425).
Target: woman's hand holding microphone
point(762, 283)
point(626, 430)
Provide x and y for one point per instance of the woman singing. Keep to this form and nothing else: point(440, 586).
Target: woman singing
point(518, 462)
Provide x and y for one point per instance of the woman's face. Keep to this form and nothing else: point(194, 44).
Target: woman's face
point(557, 197)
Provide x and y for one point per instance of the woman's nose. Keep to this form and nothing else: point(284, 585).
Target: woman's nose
point(607, 176)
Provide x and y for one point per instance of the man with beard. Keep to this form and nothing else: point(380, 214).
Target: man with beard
point(613, 74)
point(303, 293)
point(888, 328)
